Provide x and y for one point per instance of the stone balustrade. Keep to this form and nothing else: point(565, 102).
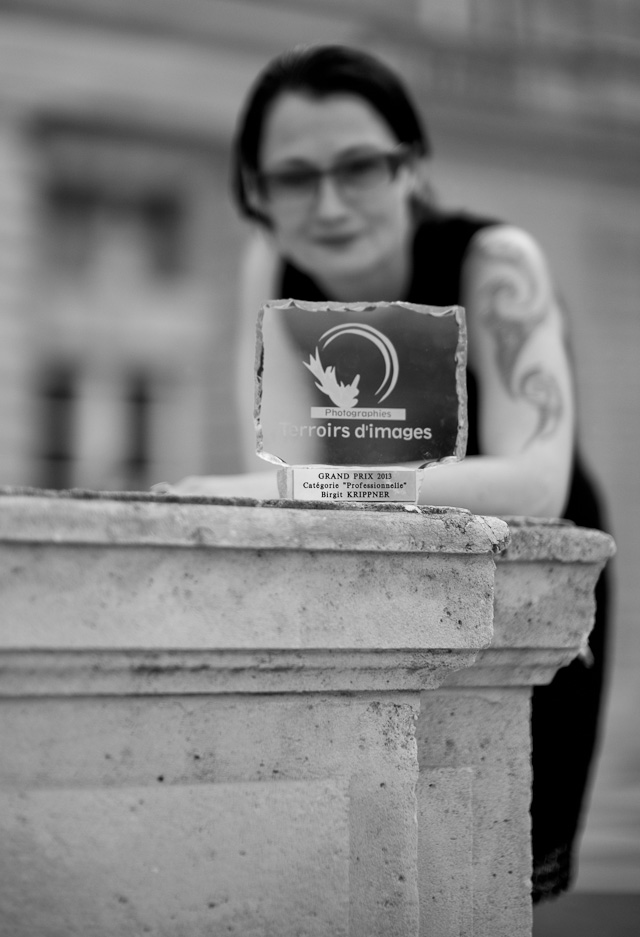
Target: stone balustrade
point(233, 717)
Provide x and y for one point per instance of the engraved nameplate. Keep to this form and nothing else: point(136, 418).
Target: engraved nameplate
point(360, 483)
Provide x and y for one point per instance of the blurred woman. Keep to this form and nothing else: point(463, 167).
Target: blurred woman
point(330, 162)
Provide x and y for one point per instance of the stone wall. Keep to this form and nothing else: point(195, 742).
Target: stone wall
point(272, 719)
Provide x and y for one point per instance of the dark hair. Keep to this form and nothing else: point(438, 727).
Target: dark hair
point(320, 71)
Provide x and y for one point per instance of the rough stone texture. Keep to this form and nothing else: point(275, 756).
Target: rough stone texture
point(445, 851)
point(151, 646)
point(190, 861)
point(105, 673)
point(544, 602)
point(284, 688)
point(176, 597)
point(486, 732)
point(367, 579)
point(481, 720)
point(32, 516)
point(363, 745)
point(535, 538)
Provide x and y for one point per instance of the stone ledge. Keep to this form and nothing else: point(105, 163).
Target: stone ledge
point(87, 597)
point(555, 540)
point(520, 667)
point(33, 516)
point(544, 603)
point(119, 673)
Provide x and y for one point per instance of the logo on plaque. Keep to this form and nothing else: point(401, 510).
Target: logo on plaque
point(346, 397)
point(362, 385)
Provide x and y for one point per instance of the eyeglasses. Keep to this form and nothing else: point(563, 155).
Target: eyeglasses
point(353, 178)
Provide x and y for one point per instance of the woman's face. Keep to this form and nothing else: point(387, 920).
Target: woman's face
point(334, 231)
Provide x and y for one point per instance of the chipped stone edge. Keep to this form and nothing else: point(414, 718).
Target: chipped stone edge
point(32, 516)
point(537, 539)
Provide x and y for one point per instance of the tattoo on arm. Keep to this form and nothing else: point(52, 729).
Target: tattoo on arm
point(542, 391)
point(513, 304)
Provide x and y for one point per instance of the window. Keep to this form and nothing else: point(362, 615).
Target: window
point(57, 394)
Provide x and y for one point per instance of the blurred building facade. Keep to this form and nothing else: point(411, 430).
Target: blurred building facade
point(119, 248)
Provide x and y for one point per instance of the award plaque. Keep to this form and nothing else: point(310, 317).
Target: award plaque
point(354, 400)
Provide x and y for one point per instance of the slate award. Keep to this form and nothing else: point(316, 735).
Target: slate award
point(354, 400)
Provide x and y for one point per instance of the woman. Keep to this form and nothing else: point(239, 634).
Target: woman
point(330, 162)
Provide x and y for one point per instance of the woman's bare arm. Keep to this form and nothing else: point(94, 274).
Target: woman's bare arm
point(257, 275)
point(526, 409)
point(517, 351)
